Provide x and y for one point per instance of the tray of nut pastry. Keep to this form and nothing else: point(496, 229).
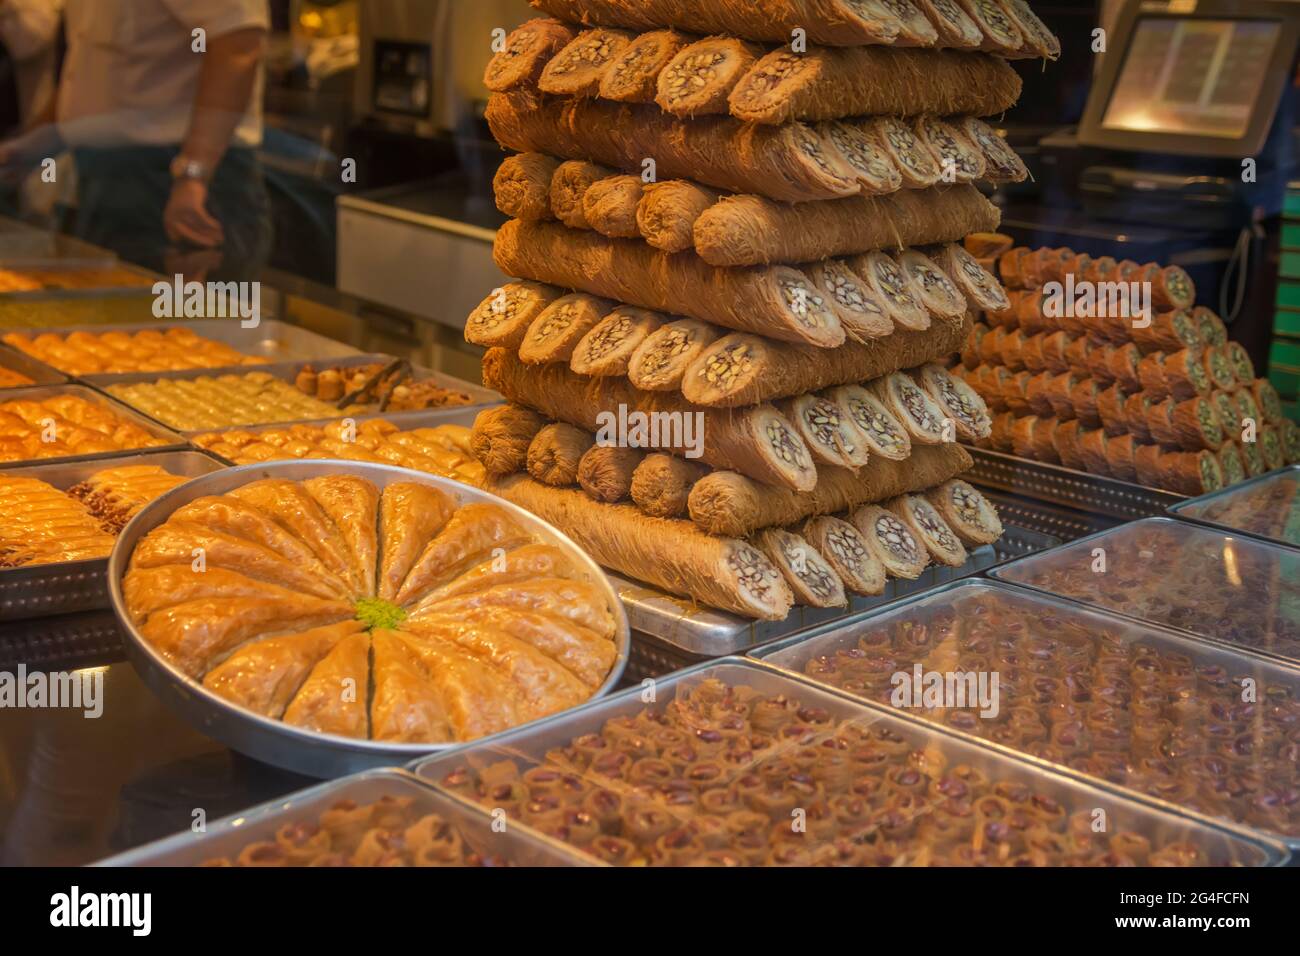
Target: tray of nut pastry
point(669, 632)
point(332, 616)
point(435, 442)
point(58, 523)
point(19, 370)
point(197, 401)
point(72, 422)
point(1266, 507)
point(736, 764)
point(1198, 728)
point(84, 350)
point(372, 819)
point(58, 281)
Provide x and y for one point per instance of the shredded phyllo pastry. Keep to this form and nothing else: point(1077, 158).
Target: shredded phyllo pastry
point(391, 831)
point(150, 350)
point(714, 777)
point(392, 615)
point(443, 451)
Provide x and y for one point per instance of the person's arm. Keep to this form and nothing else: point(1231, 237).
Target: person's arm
point(29, 27)
point(227, 82)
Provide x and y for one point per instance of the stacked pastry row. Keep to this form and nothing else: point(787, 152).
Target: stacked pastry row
point(620, 502)
point(64, 426)
point(1168, 403)
point(42, 524)
point(749, 243)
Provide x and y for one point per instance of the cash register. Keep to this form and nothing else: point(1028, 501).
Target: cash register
point(1183, 151)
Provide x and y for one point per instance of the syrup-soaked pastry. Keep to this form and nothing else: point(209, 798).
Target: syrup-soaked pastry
point(1271, 447)
point(1231, 465)
point(1084, 396)
point(1124, 363)
point(876, 173)
point(1038, 394)
point(43, 525)
point(410, 513)
point(914, 27)
point(1014, 392)
point(909, 154)
point(1120, 451)
point(1192, 472)
point(954, 25)
point(841, 544)
point(116, 495)
point(970, 349)
point(353, 505)
point(1059, 392)
point(958, 158)
point(1196, 425)
point(1252, 458)
point(1184, 375)
point(931, 285)
point(264, 675)
point(809, 575)
point(1248, 411)
point(556, 332)
point(1055, 347)
point(335, 696)
point(525, 54)
point(1099, 365)
point(890, 541)
point(861, 311)
point(1092, 446)
point(921, 415)
point(1241, 364)
point(886, 279)
point(1291, 441)
point(633, 74)
point(467, 539)
point(150, 350)
point(825, 427)
point(659, 363)
point(504, 316)
point(478, 698)
point(877, 427)
point(1137, 416)
point(1000, 438)
point(155, 588)
point(1160, 424)
point(958, 400)
point(406, 707)
point(578, 68)
point(1151, 372)
point(1110, 406)
point(1210, 327)
point(1002, 33)
point(967, 512)
point(607, 349)
point(1146, 461)
point(1168, 332)
point(1270, 404)
point(1011, 349)
point(702, 75)
point(1002, 165)
point(1219, 368)
point(567, 598)
point(928, 526)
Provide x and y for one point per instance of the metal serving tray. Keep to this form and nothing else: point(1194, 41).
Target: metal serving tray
point(62, 642)
point(38, 590)
point(517, 845)
point(669, 632)
point(1223, 844)
point(1264, 577)
point(1066, 487)
point(961, 601)
point(95, 312)
point(288, 372)
point(1209, 509)
point(37, 371)
point(272, 741)
point(31, 248)
point(35, 393)
point(271, 339)
point(97, 292)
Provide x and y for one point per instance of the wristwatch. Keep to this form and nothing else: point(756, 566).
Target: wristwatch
point(183, 167)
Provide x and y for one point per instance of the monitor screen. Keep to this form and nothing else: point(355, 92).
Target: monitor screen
point(1193, 77)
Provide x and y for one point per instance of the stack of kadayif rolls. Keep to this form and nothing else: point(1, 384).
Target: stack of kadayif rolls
point(1170, 403)
point(746, 219)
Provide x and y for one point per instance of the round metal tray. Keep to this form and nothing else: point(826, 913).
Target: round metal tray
point(272, 741)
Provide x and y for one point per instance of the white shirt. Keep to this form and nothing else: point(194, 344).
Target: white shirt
point(28, 28)
point(131, 71)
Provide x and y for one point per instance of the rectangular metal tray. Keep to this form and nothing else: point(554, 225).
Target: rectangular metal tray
point(669, 632)
point(1222, 843)
point(516, 845)
point(271, 339)
point(172, 439)
point(1206, 510)
point(71, 586)
point(961, 601)
point(288, 372)
point(105, 292)
point(37, 371)
point(1264, 577)
point(31, 248)
point(62, 641)
point(1066, 487)
point(94, 312)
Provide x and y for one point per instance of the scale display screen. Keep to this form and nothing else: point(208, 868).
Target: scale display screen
point(1192, 76)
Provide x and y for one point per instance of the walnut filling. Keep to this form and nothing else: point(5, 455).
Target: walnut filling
point(892, 283)
point(500, 310)
point(787, 447)
point(689, 77)
point(861, 155)
point(606, 340)
point(822, 418)
point(893, 534)
point(632, 63)
point(908, 148)
point(951, 152)
point(670, 346)
point(804, 302)
point(932, 525)
point(957, 403)
point(814, 576)
point(917, 408)
point(726, 365)
point(876, 423)
point(593, 53)
point(559, 321)
point(969, 506)
point(810, 145)
point(753, 573)
point(847, 547)
point(933, 281)
point(774, 71)
point(848, 292)
point(996, 21)
point(520, 45)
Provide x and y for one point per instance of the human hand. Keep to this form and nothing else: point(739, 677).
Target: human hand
point(186, 218)
point(20, 154)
